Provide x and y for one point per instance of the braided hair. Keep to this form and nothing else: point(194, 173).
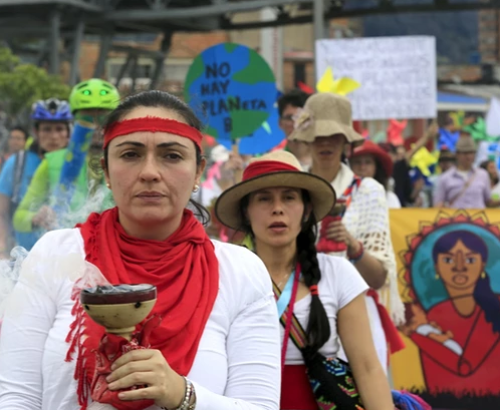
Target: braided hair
point(318, 329)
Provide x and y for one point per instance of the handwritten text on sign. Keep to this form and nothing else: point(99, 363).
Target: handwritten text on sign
point(218, 80)
point(397, 74)
point(233, 87)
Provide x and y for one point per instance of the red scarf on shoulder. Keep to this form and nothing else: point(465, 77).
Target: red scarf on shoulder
point(184, 270)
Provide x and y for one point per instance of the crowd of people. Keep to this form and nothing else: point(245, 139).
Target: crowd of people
point(305, 229)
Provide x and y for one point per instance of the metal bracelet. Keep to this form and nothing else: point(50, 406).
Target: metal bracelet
point(185, 405)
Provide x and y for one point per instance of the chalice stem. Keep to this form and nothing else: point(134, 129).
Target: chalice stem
point(125, 332)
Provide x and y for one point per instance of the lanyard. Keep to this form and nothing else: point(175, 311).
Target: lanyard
point(286, 295)
point(347, 195)
point(289, 314)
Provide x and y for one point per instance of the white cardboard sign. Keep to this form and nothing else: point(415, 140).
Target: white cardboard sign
point(397, 74)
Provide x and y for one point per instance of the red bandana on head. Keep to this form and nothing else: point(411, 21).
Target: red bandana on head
point(151, 124)
point(184, 270)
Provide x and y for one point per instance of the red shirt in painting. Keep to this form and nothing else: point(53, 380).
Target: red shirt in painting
point(477, 370)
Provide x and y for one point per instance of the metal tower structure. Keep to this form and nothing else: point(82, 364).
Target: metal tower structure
point(66, 22)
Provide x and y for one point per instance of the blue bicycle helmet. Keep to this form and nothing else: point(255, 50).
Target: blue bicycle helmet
point(51, 110)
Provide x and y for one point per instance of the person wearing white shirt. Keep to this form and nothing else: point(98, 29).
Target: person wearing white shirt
point(363, 228)
point(277, 205)
point(212, 338)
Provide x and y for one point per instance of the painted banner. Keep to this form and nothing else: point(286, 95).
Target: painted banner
point(449, 276)
point(397, 74)
point(233, 88)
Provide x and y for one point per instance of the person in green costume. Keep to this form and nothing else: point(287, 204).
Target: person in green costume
point(90, 102)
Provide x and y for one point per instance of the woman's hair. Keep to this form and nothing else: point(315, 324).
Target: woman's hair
point(380, 175)
point(484, 165)
point(318, 328)
point(161, 99)
point(483, 294)
point(295, 98)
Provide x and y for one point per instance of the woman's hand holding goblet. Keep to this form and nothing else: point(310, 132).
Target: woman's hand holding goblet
point(148, 368)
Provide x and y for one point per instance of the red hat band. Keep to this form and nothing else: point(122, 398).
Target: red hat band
point(258, 168)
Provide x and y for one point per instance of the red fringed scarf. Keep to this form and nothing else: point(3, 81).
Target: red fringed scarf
point(185, 271)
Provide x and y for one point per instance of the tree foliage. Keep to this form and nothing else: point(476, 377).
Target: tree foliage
point(23, 84)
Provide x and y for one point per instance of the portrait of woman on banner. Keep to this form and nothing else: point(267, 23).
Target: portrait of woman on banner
point(459, 335)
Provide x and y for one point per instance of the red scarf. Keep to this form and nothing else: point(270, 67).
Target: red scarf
point(185, 271)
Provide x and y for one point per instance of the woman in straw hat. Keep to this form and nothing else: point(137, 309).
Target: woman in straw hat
point(326, 124)
point(211, 341)
point(369, 160)
point(278, 206)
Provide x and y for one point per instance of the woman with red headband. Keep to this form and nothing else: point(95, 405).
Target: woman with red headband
point(211, 341)
point(278, 206)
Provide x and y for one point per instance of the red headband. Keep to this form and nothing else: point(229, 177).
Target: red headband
point(259, 168)
point(151, 124)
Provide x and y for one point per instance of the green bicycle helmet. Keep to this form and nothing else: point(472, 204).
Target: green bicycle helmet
point(93, 94)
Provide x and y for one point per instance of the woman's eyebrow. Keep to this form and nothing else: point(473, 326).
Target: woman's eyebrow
point(134, 143)
point(161, 145)
point(170, 144)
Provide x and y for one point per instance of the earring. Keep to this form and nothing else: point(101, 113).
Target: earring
point(196, 188)
point(483, 275)
point(108, 185)
point(436, 277)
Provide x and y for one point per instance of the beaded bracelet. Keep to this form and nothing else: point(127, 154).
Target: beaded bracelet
point(357, 257)
point(189, 402)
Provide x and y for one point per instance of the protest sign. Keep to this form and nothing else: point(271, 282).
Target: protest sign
point(233, 88)
point(397, 74)
point(265, 138)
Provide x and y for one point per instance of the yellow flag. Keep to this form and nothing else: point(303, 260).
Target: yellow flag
point(458, 118)
point(341, 86)
point(422, 160)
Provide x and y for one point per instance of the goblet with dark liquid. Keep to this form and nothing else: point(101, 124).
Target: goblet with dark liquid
point(119, 308)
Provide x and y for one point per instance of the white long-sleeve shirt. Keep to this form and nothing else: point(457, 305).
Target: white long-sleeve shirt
point(237, 365)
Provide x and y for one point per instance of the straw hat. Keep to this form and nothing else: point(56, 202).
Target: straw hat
point(370, 148)
point(276, 169)
point(323, 115)
point(465, 144)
